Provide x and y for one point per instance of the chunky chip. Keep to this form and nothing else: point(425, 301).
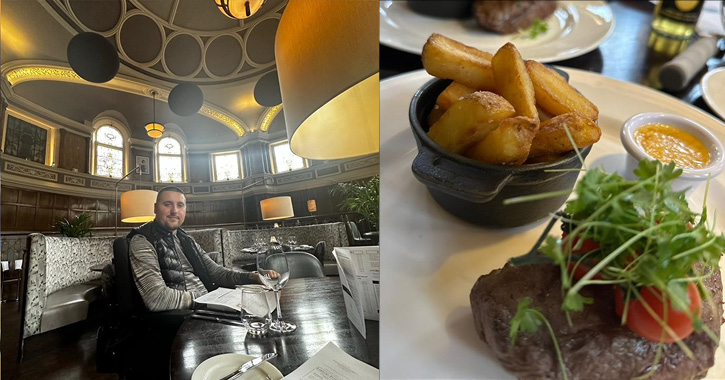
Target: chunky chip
point(449, 59)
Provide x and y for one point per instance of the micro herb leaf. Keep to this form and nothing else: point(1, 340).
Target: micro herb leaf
point(526, 319)
point(575, 302)
point(529, 320)
point(536, 29)
point(552, 249)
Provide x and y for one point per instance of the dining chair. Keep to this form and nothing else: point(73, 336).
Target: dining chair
point(303, 264)
point(319, 251)
point(356, 237)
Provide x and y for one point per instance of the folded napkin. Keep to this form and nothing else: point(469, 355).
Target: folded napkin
point(676, 74)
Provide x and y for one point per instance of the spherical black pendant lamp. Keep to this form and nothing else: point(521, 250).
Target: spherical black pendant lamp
point(186, 99)
point(92, 57)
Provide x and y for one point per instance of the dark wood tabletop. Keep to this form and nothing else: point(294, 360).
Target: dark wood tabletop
point(314, 304)
point(623, 56)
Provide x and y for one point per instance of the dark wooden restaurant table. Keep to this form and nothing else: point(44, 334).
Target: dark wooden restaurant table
point(314, 304)
point(623, 56)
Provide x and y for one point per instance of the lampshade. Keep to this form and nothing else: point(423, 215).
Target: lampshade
point(154, 129)
point(277, 208)
point(137, 206)
point(327, 62)
point(239, 9)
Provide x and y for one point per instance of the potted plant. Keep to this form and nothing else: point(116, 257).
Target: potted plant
point(362, 197)
point(79, 226)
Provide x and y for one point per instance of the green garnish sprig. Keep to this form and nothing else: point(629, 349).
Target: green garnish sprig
point(537, 28)
point(647, 234)
point(528, 319)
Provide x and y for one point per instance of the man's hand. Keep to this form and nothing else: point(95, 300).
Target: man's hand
point(269, 273)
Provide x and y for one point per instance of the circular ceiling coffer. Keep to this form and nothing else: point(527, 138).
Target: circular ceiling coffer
point(260, 41)
point(224, 55)
point(141, 39)
point(182, 55)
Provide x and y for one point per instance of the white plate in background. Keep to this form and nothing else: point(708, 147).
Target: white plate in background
point(713, 90)
point(431, 259)
point(216, 367)
point(575, 28)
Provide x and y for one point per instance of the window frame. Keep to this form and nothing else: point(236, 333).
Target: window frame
point(125, 137)
point(182, 155)
point(272, 158)
point(239, 162)
point(51, 143)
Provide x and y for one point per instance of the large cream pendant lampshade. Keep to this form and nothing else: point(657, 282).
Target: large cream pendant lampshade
point(277, 208)
point(137, 206)
point(327, 54)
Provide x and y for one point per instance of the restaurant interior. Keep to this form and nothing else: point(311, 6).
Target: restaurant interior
point(249, 110)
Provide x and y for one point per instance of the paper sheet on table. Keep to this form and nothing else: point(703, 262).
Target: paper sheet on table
point(332, 363)
point(359, 269)
point(227, 299)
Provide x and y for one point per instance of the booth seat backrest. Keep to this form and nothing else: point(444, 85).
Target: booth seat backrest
point(55, 263)
point(210, 240)
point(333, 234)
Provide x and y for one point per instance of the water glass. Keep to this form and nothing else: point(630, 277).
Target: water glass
point(255, 309)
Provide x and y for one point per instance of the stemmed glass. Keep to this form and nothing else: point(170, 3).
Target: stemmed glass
point(292, 241)
point(274, 273)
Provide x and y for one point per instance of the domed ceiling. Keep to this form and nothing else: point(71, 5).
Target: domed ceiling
point(160, 43)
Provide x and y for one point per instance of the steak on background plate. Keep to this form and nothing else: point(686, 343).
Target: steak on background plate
point(597, 346)
point(510, 16)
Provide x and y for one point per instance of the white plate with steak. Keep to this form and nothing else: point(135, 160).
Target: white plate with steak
point(575, 28)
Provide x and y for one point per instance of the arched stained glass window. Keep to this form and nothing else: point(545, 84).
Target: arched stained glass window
point(283, 159)
point(170, 160)
point(108, 145)
point(227, 166)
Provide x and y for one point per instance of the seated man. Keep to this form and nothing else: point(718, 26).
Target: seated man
point(169, 268)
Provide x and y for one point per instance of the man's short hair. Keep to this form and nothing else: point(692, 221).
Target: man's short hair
point(168, 188)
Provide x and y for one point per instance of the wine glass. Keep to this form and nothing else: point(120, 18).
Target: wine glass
point(274, 273)
point(292, 241)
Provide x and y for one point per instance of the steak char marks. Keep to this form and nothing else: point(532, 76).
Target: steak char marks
point(597, 346)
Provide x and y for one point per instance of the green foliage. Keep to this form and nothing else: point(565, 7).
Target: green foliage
point(79, 226)
point(361, 197)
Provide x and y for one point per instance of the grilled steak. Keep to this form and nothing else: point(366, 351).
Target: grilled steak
point(597, 346)
point(510, 16)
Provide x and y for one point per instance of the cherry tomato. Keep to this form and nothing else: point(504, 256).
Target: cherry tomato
point(643, 324)
point(578, 271)
point(587, 246)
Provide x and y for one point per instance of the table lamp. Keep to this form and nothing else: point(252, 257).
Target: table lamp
point(277, 208)
point(327, 62)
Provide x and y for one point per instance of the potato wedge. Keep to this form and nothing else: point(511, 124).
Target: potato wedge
point(469, 120)
point(435, 114)
point(513, 82)
point(552, 138)
point(448, 59)
point(555, 95)
point(453, 93)
point(508, 144)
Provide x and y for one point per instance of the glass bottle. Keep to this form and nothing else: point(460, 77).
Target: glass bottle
point(673, 25)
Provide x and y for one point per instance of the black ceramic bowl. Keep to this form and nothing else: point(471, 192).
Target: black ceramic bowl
point(442, 8)
point(474, 191)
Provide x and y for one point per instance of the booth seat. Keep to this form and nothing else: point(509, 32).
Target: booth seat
point(333, 234)
point(210, 240)
point(60, 284)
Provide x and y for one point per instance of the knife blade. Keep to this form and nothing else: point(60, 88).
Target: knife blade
point(249, 365)
point(217, 319)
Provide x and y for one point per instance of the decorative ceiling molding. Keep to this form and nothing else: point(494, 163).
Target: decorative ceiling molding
point(169, 33)
point(24, 71)
point(267, 117)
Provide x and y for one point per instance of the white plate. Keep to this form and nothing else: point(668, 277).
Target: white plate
point(431, 260)
point(713, 90)
point(219, 366)
point(575, 28)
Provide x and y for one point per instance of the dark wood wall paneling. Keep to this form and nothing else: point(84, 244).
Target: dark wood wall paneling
point(74, 152)
point(199, 167)
point(28, 210)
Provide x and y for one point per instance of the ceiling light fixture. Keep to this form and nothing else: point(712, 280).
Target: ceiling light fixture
point(327, 61)
point(239, 9)
point(154, 129)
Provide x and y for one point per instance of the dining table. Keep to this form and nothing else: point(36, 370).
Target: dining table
point(315, 305)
